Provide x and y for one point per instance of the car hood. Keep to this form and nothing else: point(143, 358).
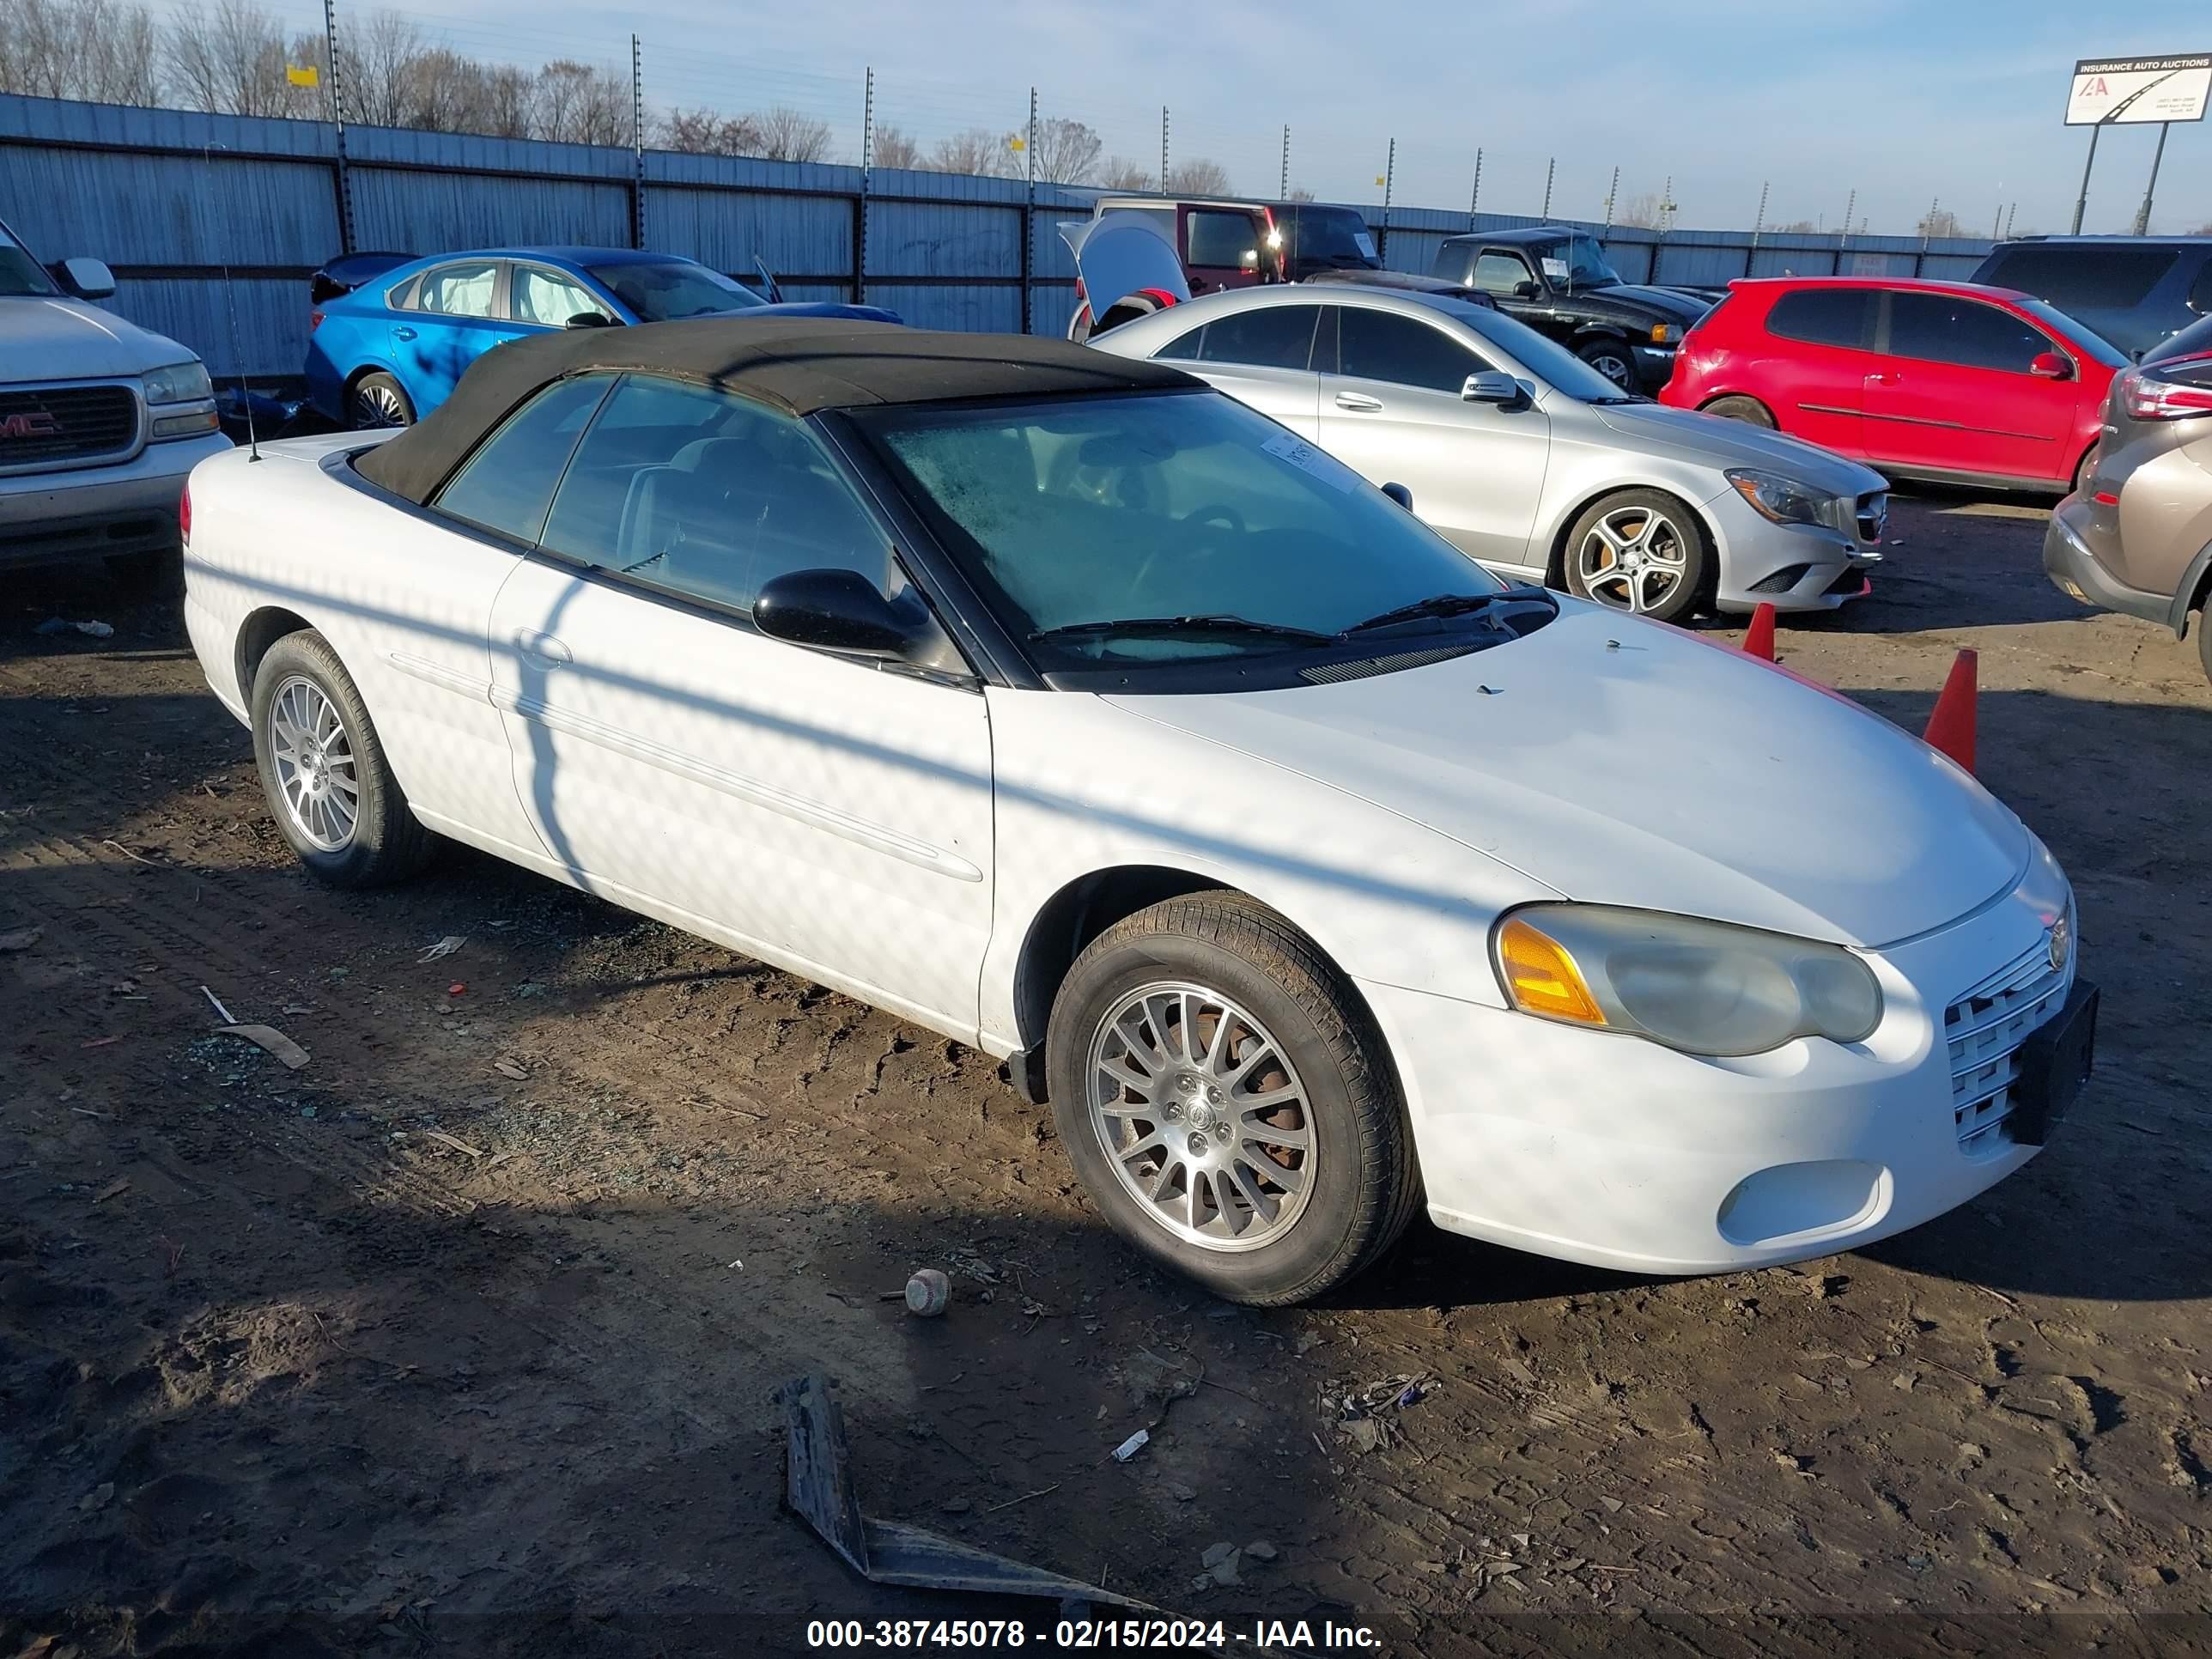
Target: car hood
point(1666, 305)
point(55, 339)
point(1619, 762)
point(1719, 442)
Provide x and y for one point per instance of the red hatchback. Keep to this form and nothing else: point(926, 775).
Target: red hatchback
point(1946, 380)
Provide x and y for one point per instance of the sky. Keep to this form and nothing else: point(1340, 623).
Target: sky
point(1810, 100)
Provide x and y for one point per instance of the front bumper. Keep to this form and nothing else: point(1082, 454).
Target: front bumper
point(1616, 1152)
point(2074, 570)
point(129, 508)
point(1654, 365)
point(1791, 567)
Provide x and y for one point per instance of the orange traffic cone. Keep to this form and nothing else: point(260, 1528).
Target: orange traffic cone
point(1951, 726)
point(1759, 638)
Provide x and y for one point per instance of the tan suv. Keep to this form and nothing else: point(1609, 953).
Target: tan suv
point(2137, 536)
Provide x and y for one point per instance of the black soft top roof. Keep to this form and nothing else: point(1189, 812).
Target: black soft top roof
point(796, 364)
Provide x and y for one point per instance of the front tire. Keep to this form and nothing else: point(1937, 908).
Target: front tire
point(1613, 359)
point(1642, 551)
point(377, 401)
point(1228, 1101)
point(324, 771)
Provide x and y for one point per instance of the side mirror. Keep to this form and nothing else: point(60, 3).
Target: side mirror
point(1399, 494)
point(1491, 385)
point(1525, 289)
point(589, 319)
point(2050, 366)
point(831, 609)
point(89, 279)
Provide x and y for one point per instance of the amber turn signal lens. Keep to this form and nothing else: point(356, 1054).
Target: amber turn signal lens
point(1543, 978)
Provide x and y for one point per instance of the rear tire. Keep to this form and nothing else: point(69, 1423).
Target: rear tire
point(324, 771)
point(1642, 551)
point(1749, 411)
point(378, 401)
point(1212, 1002)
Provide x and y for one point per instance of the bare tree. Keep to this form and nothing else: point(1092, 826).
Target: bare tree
point(1939, 222)
point(704, 132)
point(975, 150)
point(1796, 227)
point(579, 104)
point(1640, 212)
point(1299, 193)
point(95, 50)
point(1067, 151)
point(231, 59)
point(1198, 176)
point(378, 62)
point(895, 147)
point(1120, 172)
point(786, 135)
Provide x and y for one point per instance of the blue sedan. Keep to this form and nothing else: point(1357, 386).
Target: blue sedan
point(389, 351)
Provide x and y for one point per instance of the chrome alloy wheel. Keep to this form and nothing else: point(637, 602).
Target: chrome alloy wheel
point(376, 405)
point(1202, 1115)
point(316, 772)
point(1633, 559)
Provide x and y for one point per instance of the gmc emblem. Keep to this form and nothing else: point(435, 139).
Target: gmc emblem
point(34, 423)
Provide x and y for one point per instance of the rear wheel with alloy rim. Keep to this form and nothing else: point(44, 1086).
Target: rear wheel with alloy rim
point(1225, 1095)
point(324, 770)
point(1639, 550)
point(1613, 359)
point(1749, 411)
point(378, 401)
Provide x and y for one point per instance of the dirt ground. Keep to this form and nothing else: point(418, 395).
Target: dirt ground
point(463, 1338)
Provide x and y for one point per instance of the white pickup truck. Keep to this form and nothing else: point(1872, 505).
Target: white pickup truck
point(101, 420)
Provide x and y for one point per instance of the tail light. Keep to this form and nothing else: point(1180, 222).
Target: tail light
point(2149, 396)
point(185, 516)
point(314, 321)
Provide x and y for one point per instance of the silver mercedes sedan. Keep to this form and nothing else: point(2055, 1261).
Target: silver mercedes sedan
point(1529, 459)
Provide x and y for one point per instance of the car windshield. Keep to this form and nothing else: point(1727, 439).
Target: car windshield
point(1542, 356)
point(1576, 262)
point(20, 275)
point(2073, 329)
point(1147, 529)
point(1335, 237)
point(657, 291)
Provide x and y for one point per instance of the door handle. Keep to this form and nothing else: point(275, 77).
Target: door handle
point(1359, 402)
point(403, 334)
point(1883, 379)
point(541, 648)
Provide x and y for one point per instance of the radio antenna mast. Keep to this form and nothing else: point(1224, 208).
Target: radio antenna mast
point(230, 305)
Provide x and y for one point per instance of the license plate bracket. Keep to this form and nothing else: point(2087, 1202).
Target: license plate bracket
point(2055, 1061)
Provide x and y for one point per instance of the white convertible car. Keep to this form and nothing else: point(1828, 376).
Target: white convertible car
point(1059, 704)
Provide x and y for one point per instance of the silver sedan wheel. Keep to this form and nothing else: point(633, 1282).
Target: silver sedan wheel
point(316, 772)
point(376, 404)
point(1633, 559)
point(1202, 1115)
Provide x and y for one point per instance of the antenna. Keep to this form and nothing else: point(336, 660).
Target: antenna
point(230, 305)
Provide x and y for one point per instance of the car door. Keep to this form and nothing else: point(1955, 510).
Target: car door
point(1262, 356)
point(1215, 243)
point(455, 320)
point(542, 296)
point(1953, 391)
point(1392, 411)
point(829, 815)
point(1813, 372)
point(1505, 275)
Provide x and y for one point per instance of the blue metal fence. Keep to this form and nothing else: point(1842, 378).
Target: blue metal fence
point(213, 223)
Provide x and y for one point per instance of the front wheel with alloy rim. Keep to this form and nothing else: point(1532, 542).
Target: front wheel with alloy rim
point(1613, 359)
point(1639, 550)
point(1227, 1098)
point(324, 770)
point(378, 401)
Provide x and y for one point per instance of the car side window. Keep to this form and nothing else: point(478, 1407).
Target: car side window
point(2200, 291)
point(709, 495)
point(507, 484)
point(1946, 328)
point(537, 294)
point(1382, 345)
point(1825, 316)
point(1265, 336)
point(1218, 238)
point(1499, 273)
point(461, 290)
point(1186, 347)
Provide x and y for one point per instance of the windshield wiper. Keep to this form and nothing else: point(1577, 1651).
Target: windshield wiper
point(1217, 623)
point(1446, 605)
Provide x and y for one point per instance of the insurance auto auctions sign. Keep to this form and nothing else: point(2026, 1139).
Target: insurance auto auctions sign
point(2124, 90)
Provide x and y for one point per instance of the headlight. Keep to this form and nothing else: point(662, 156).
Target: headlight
point(180, 383)
point(1705, 988)
point(1666, 334)
point(1782, 499)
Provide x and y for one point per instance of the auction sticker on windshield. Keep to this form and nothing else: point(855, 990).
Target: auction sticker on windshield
point(1303, 456)
point(1365, 243)
point(1556, 269)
